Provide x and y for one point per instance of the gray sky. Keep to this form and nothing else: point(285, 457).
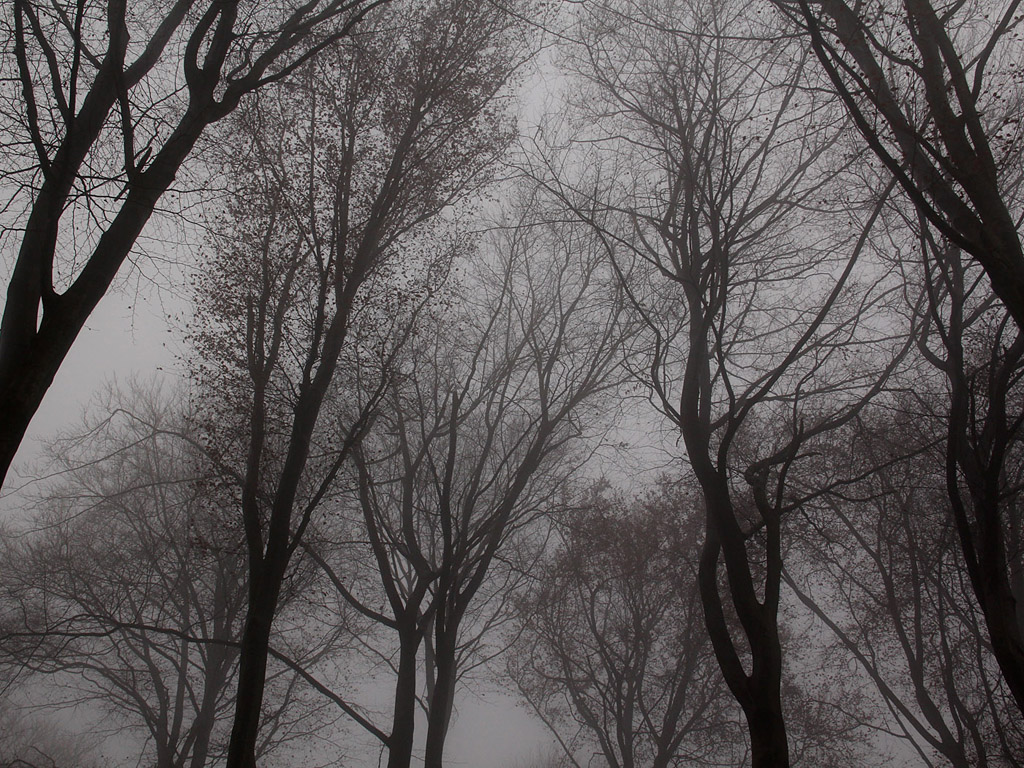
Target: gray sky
point(127, 335)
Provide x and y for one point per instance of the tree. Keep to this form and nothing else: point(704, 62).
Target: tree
point(614, 640)
point(335, 244)
point(934, 91)
point(971, 339)
point(881, 568)
point(27, 742)
point(107, 101)
point(714, 161)
point(128, 590)
point(480, 428)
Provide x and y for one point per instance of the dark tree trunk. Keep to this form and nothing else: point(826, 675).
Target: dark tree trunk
point(759, 693)
point(977, 452)
point(252, 668)
point(998, 604)
point(441, 699)
point(403, 722)
point(769, 747)
point(33, 349)
point(219, 662)
point(985, 554)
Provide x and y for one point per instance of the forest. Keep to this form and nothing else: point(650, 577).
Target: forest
point(656, 366)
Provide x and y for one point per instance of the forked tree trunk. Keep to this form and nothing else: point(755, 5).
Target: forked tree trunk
point(758, 692)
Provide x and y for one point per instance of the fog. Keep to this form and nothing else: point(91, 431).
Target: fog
point(627, 383)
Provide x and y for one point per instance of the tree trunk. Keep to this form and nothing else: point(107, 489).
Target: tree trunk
point(760, 692)
point(999, 607)
point(769, 747)
point(441, 699)
point(219, 657)
point(22, 386)
point(252, 672)
point(982, 534)
point(403, 724)
point(32, 349)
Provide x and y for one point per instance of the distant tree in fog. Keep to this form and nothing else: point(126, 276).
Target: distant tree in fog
point(483, 425)
point(127, 589)
point(614, 654)
point(28, 741)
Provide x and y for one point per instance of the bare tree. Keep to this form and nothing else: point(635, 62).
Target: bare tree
point(104, 102)
point(129, 588)
point(474, 440)
point(35, 742)
point(973, 342)
point(614, 650)
point(715, 168)
point(934, 91)
point(881, 568)
point(333, 246)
